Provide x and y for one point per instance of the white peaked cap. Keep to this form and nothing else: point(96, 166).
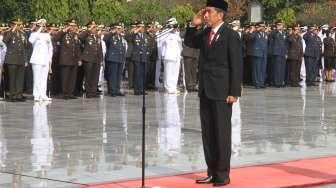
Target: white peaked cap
point(172, 21)
point(41, 22)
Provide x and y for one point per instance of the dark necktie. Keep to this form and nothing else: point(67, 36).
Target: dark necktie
point(211, 34)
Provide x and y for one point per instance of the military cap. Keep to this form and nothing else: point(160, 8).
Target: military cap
point(325, 27)
point(91, 23)
point(52, 26)
point(172, 21)
point(278, 21)
point(71, 22)
point(235, 23)
point(135, 23)
point(41, 22)
point(17, 21)
point(140, 24)
point(120, 25)
point(220, 4)
point(33, 21)
point(113, 25)
point(295, 26)
point(312, 26)
point(261, 24)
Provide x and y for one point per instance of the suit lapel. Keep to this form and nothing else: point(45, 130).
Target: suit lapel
point(218, 35)
point(205, 40)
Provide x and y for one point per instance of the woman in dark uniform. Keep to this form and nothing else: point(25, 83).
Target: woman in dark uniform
point(329, 56)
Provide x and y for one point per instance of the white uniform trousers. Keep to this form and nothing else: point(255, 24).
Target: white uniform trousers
point(1, 70)
point(158, 73)
point(171, 75)
point(40, 74)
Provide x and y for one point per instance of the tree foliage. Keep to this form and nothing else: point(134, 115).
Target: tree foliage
point(53, 11)
point(183, 13)
point(287, 15)
point(79, 10)
point(107, 11)
point(318, 13)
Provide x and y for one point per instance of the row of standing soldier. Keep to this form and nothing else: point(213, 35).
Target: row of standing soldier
point(79, 56)
point(274, 57)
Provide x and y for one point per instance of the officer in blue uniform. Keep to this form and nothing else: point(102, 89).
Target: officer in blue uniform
point(311, 55)
point(140, 54)
point(115, 57)
point(259, 55)
point(279, 52)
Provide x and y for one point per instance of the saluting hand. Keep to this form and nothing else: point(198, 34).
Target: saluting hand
point(198, 18)
point(14, 28)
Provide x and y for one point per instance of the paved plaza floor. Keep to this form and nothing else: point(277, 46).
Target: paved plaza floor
point(84, 141)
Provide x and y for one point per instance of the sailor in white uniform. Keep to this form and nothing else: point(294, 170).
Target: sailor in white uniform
point(159, 38)
point(41, 60)
point(102, 66)
point(3, 50)
point(171, 54)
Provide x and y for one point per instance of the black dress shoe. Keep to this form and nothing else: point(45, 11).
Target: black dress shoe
point(21, 99)
point(113, 95)
point(72, 97)
point(207, 180)
point(91, 96)
point(221, 183)
point(121, 94)
point(12, 100)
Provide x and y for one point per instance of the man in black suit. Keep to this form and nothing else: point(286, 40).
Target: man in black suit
point(220, 77)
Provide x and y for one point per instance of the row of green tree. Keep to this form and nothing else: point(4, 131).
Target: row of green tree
point(102, 11)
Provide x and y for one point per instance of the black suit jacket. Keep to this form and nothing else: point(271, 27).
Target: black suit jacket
point(221, 64)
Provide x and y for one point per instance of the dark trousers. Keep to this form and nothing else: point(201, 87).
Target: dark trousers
point(294, 68)
point(68, 77)
point(190, 69)
point(91, 74)
point(138, 74)
point(115, 75)
point(279, 70)
point(130, 72)
point(28, 81)
point(150, 75)
point(56, 86)
point(259, 70)
point(269, 71)
point(216, 135)
point(311, 64)
point(79, 89)
point(16, 75)
point(247, 70)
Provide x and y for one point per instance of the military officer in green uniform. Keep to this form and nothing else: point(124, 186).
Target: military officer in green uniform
point(92, 57)
point(153, 53)
point(69, 58)
point(16, 59)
